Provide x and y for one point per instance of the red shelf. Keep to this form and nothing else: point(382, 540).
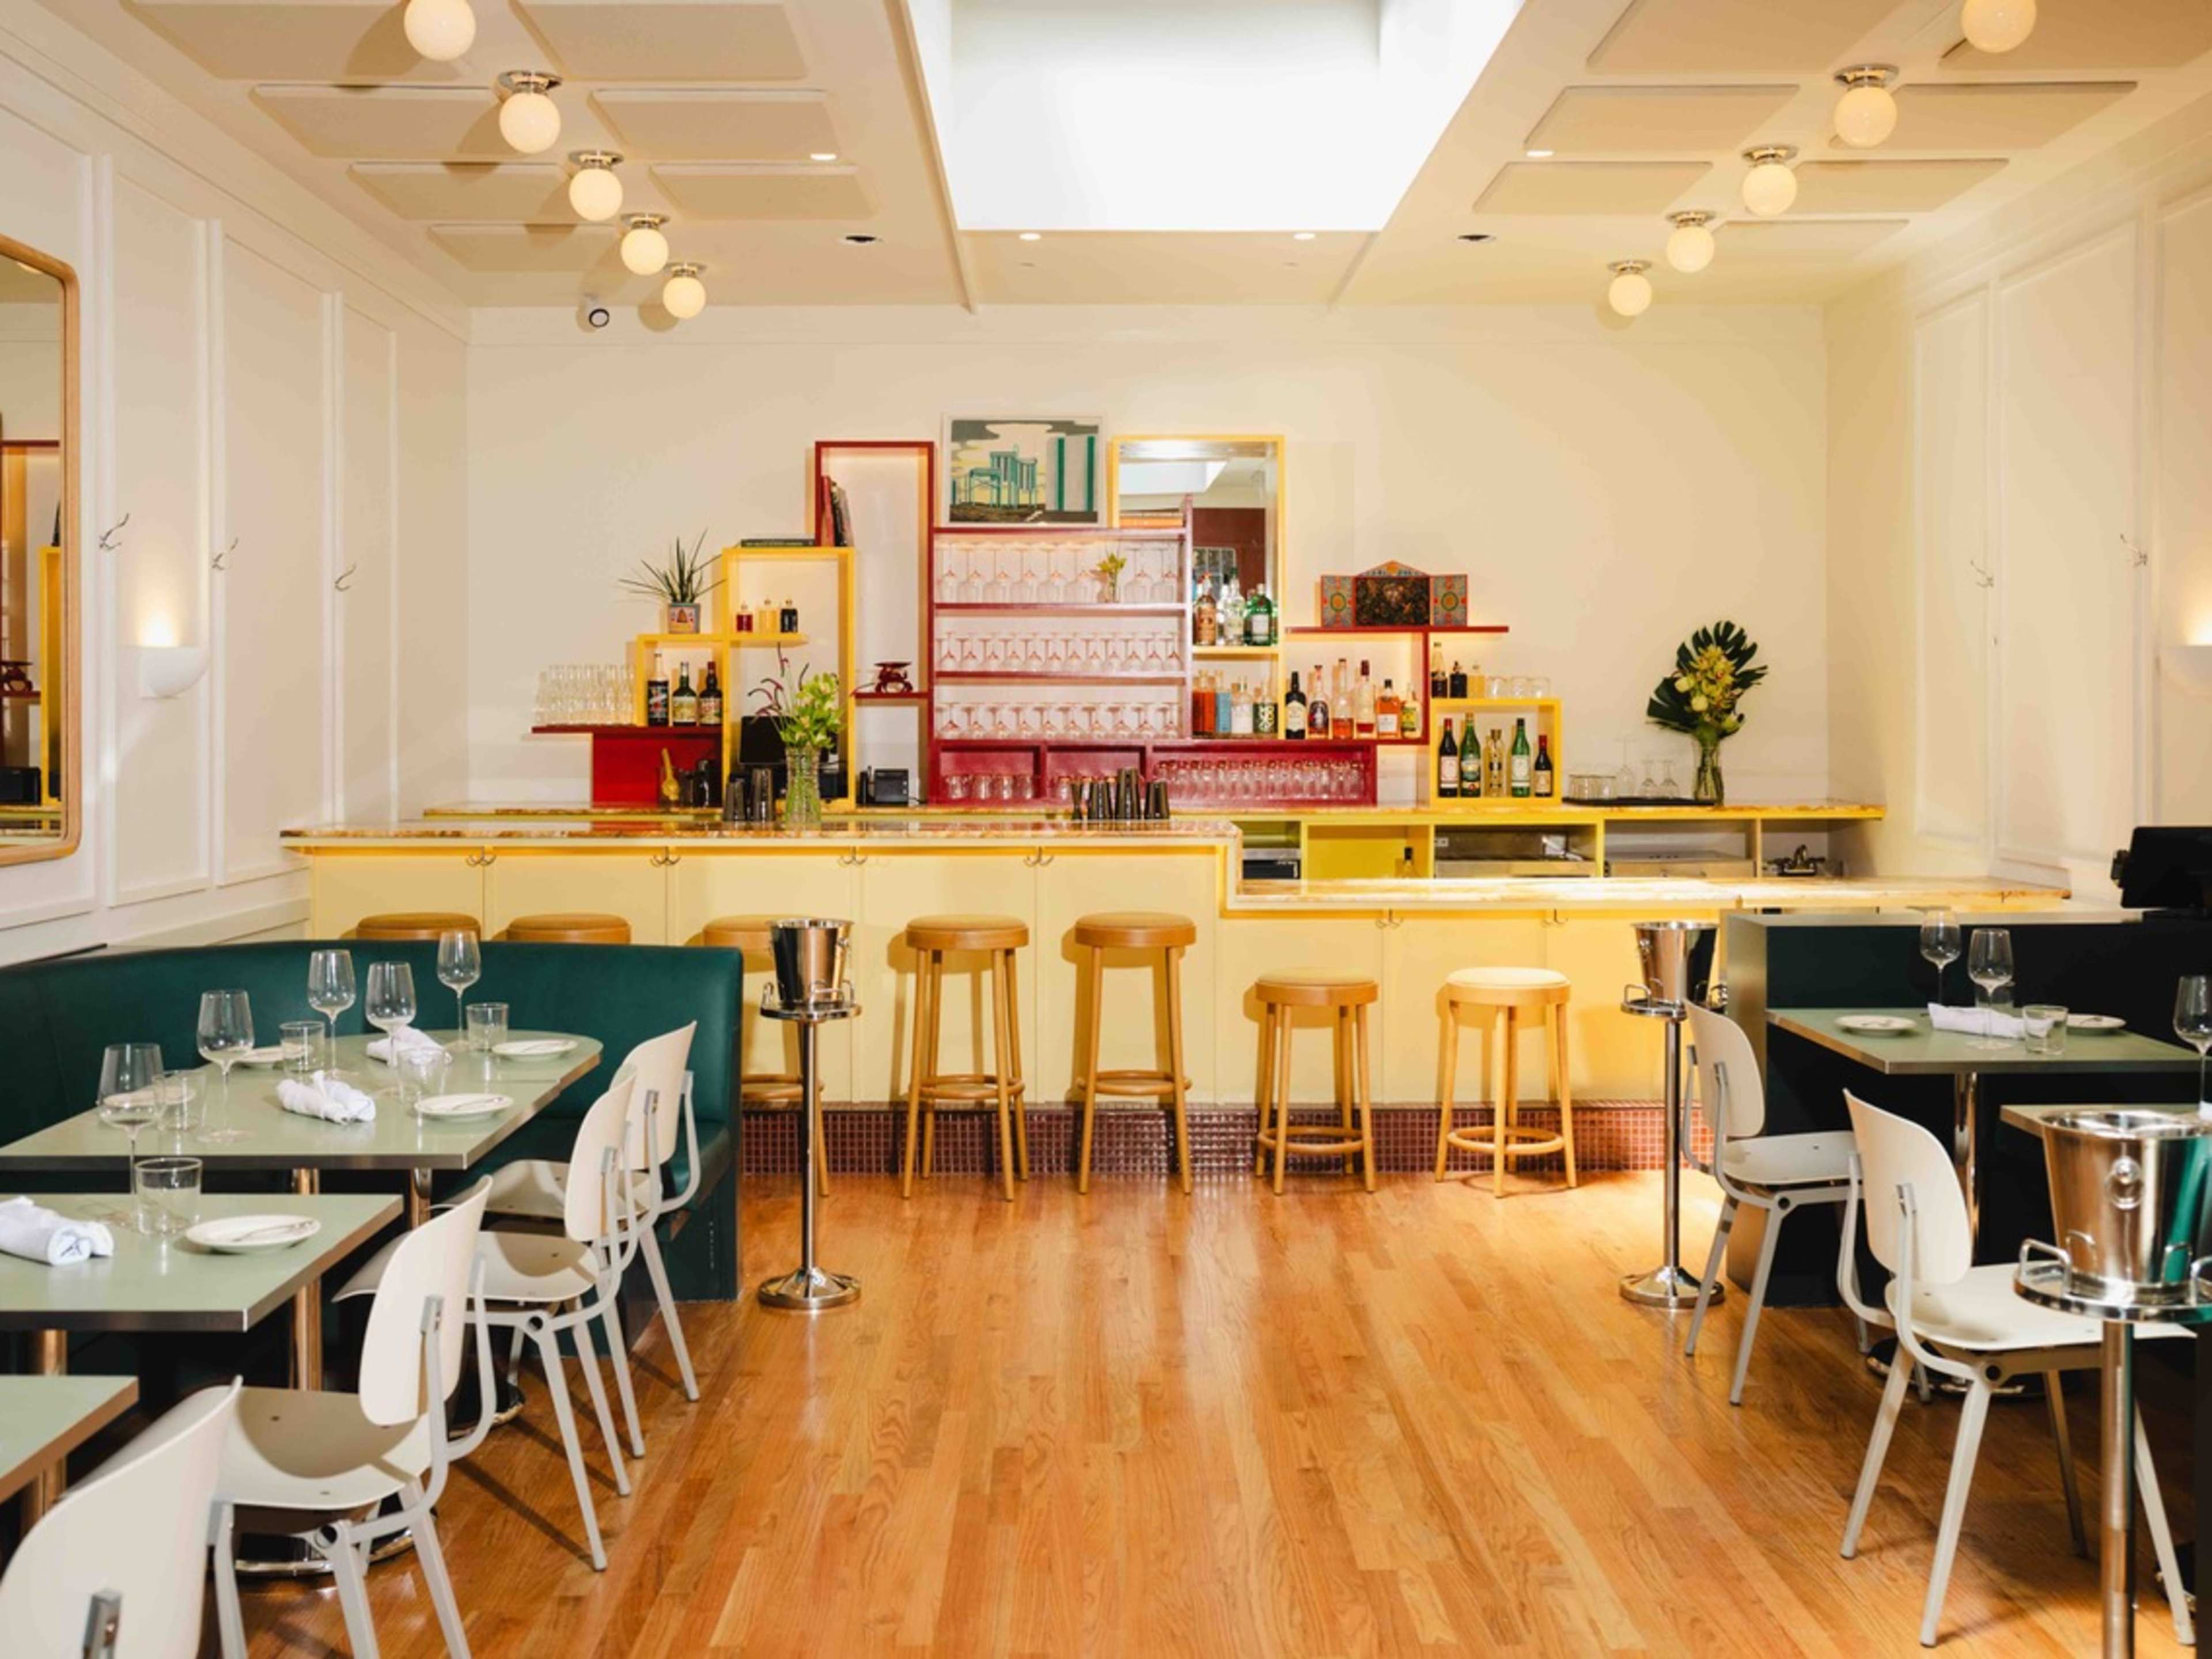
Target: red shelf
point(963, 677)
point(891, 697)
point(1401, 633)
point(1063, 608)
point(658, 734)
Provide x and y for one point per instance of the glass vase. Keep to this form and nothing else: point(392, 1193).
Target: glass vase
point(802, 792)
point(1711, 789)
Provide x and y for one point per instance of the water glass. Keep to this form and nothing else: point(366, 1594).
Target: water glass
point(166, 1195)
point(2046, 1029)
point(487, 1026)
point(421, 1072)
point(183, 1098)
point(304, 1043)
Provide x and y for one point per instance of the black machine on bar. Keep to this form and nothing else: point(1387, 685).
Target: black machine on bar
point(2166, 868)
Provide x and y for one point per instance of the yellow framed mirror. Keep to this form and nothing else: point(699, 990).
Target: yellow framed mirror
point(1229, 485)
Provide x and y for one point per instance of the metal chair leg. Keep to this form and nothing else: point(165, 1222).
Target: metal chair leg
point(1773, 1231)
point(1885, 1421)
point(2054, 1399)
point(1972, 1417)
point(1721, 1231)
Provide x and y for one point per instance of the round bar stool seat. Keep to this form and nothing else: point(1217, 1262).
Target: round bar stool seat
point(1512, 993)
point(999, 938)
point(568, 927)
point(1134, 930)
point(1348, 996)
point(749, 935)
point(415, 924)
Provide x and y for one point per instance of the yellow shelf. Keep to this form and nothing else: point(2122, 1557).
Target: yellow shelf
point(1245, 652)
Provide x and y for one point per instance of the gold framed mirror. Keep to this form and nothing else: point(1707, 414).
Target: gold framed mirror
point(1230, 486)
point(41, 740)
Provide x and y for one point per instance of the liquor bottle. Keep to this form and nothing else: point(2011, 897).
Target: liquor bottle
point(1206, 619)
point(1517, 778)
point(1294, 710)
point(1456, 682)
point(1225, 708)
point(1266, 715)
point(788, 618)
point(1447, 764)
point(1439, 681)
point(656, 694)
point(1260, 618)
point(1363, 704)
point(1232, 609)
point(1318, 716)
point(683, 701)
point(1540, 774)
point(1240, 710)
point(710, 699)
point(1493, 764)
point(1386, 711)
point(1409, 712)
point(1201, 706)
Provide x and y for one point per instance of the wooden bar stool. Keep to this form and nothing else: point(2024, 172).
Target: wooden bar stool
point(1515, 993)
point(749, 935)
point(1134, 930)
point(415, 924)
point(1350, 996)
point(568, 927)
point(929, 937)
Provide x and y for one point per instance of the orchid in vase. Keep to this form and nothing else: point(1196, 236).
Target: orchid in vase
point(1713, 669)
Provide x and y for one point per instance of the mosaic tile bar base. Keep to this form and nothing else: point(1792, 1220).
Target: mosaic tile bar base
point(1609, 1134)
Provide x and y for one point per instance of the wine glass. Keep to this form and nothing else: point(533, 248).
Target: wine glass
point(1940, 942)
point(1989, 964)
point(391, 1003)
point(331, 989)
point(129, 1101)
point(2192, 1023)
point(225, 1032)
point(460, 965)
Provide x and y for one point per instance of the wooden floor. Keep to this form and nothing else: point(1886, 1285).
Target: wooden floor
point(1327, 1423)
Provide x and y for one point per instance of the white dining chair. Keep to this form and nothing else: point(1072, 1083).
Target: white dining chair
point(1777, 1174)
point(131, 1541)
point(534, 1189)
point(1957, 1320)
point(345, 1472)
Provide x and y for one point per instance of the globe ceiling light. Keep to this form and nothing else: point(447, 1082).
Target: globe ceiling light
point(441, 30)
point(529, 120)
point(644, 249)
point(594, 191)
point(1690, 246)
point(1769, 188)
point(684, 296)
point(1866, 114)
point(1629, 292)
point(1996, 25)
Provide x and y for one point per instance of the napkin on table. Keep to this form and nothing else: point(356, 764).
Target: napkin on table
point(38, 1233)
point(407, 1039)
point(1977, 1022)
point(326, 1097)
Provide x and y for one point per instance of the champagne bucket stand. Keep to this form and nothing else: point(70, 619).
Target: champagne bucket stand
point(1667, 951)
point(809, 1288)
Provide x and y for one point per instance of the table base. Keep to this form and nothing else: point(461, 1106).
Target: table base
point(1666, 1287)
point(809, 1290)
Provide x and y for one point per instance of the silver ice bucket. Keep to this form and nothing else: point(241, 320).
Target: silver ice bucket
point(1676, 959)
point(2128, 1196)
point(809, 953)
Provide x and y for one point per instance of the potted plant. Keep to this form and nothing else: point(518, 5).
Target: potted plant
point(681, 585)
point(809, 721)
point(1712, 670)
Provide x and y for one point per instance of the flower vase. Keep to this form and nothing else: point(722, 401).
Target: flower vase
point(802, 793)
point(1711, 788)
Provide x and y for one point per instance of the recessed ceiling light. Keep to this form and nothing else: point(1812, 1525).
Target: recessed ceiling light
point(1475, 236)
point(860, 238)
point(1302, 236)
point(1032, 236)
point(823, 155)
point(1540, 154)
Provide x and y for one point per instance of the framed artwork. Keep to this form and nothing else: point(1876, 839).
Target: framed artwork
point(1391, 595)
point(1019, 470)
point(1447, 601)
point(1336, 601)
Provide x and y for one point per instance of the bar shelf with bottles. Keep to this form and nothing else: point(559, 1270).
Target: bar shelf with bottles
point(1475, 791)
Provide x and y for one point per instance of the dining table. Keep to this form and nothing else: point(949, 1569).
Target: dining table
point(44, 1418)
point(247, 1128)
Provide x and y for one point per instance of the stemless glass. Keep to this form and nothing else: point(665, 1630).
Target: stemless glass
point(487, 1026)
point(391, 1003)
point(165, 1194)
point(331, 988)
point(2192, 1023)
point(460, 965)
point(1989, 964)
point(183, 1099)
point(1940, 942)
point(226, 1032)
point(303, 1046)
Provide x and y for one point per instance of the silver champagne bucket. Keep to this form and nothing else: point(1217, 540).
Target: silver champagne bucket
point(2129, 1191)
point(1676, 960)
point(809, 953)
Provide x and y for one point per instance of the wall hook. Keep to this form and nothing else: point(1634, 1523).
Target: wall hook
point(107, 542)
point(2139, 555)
point(1037, 859)
point(851, 859)
point(1982, 576)
point(221, 558)
point(345, 576)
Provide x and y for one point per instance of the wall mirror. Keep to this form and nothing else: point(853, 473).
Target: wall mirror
point(1230, 488)
point(39, 788)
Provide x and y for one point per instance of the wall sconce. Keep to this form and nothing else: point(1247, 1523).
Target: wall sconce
point(170, 671)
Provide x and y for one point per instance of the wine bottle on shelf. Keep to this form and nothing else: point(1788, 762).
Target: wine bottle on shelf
point(656, 694)
point(1439, 681)
point(1266, 715)
point(1455, 683)
point(710, 699)
point(1493, 764)
point(1260, 618)
point(1517, 761)
point(1318, 714)
point(1386, 711)
point(1540, 773)
point(1206, 618)
point(683, 701)
point(1363, 704)
point(1447, 763)
point(1409, 712)
point(1294, 710)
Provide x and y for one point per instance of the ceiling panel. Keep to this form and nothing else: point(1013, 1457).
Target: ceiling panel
point(667, 39)
point(1791, 238)
point(568, 248)
point(289, 40)
point(1996, 115)
point(533, 192)
point(2073, 35)
point(1885, 187)
point(1654, 120)
point(1735, 37)
point(740, 189)
point(1589, 186)
point(400, 124)
point(1159, 267)
point(717, 123)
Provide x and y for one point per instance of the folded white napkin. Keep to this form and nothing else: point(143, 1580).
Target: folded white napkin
point(37, 1234)
point(326, 1097)
point(407, 1037)
point(1977, 1022)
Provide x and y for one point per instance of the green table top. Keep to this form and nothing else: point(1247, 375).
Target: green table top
point(1924, 1052)
point(151, 1285)
point(277, 1140)
point(44, 1418)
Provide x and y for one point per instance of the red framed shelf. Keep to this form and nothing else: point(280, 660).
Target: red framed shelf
point(1061, 609)
point(1401, 633)
point(963, 677)
point(891, 697)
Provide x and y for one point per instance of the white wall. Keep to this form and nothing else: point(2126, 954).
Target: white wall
point(1607, 488)
point(2020, 523)
point(256, 373)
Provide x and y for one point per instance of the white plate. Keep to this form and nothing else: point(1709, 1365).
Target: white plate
point(271, 1054)
point(460, 1108)
point(2095, 1024)
point(1877, 1025)
point(533, 1047)
point(252, 1235)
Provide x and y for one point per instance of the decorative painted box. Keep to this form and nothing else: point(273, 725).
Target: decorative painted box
point(1391, 595)
point(1336, 601)
point(1447, 601)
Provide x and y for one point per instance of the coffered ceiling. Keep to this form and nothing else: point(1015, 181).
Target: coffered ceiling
point(1591, 120)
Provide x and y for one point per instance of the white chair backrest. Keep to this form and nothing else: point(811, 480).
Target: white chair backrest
point(585, 1206)
point(432, 1261)
point(1895, 1152)
point(138, 1527)
point(657, 1064)
point(1729, 1091)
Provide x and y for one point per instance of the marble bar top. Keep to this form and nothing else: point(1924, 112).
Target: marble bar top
point(649, 830)
point(1667, 894)
point(1473, 813)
